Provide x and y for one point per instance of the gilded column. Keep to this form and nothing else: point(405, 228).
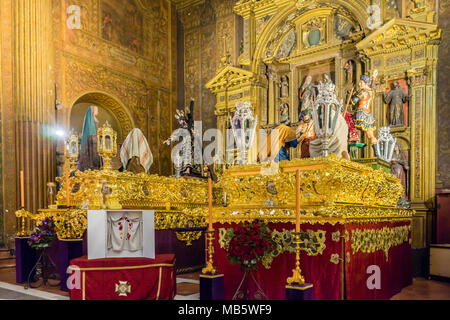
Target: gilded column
point(34, 98)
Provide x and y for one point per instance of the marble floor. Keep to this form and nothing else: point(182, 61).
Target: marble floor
point(188, 288)
point(424, 289)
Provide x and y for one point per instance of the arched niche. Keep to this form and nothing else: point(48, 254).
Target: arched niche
point(110, 109)
point(312, 41)
point(290, 19)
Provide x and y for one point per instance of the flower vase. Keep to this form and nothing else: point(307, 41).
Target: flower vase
point(243, 291)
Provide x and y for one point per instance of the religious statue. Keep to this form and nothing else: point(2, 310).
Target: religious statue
point(343, 28)
point(183, 162)
point(135, 153)
point(284, 114)
point(306, 95)
point(107, 28)
point(363, 100)
point(89, 158)
point(353, 136)
point(281, 139)
point(349, 69)
point(399, 166)
point(305, 133)
point(395, 99)
point(284, 87)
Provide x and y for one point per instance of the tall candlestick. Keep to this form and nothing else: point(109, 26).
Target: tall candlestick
point(22, 190)
point(210, 227)
point(297, 198)
point(67, 189)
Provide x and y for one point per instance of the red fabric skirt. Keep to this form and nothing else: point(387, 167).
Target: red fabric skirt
point(143, 278)
point(333, 279)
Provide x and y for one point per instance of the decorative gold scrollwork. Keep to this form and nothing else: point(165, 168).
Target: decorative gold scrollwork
point(188, 236)
point(371, 240)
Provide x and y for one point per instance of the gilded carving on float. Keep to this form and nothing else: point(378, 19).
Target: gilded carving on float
point(337, 182)
point(133, 190)
point(371, 240)
point(188, 236)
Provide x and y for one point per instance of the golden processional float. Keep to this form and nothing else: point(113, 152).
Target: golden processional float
point(327, 190)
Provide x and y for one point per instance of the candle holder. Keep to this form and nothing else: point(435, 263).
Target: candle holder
point(210, 269)
point(297, 277)
point(66, 182)
point(72, 150)
point(51, 194)
point(107, 144)
point(23, 216)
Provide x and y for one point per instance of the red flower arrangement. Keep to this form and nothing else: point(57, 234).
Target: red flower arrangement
point(250, 242)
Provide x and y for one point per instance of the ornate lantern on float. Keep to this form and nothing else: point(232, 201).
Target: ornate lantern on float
point(107, 144)
point(326, 112)
point(243, 125)
point(386, 144)
point(72, 150)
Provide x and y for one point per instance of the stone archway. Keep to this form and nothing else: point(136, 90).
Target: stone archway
point(113, 106)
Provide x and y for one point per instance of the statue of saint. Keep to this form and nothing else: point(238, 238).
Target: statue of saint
point(399, 166)
point(348, 67)
point(363, 101)
point(284, 114)
point(89, 157)
point(306, 95)
point(276, 147)
point(135, 153)
point(305, 133)
point(184, 164)
point(395, 99)
point(353, 135)
point(284, 87)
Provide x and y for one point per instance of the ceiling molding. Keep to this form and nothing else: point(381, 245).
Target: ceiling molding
point(183, 4)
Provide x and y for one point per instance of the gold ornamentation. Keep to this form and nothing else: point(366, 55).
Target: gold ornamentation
point(123, 288)
point(72, 150)
point(107, 144)
point(23, 216)
point(70, 224)
point(334, 258)
point(188, 236)
point(335, 236)
point(210, 269)
point(134, 191)
point(371, 240)
point(310, 214)
point(347, 236)
point(297, 277)
point(335, 181)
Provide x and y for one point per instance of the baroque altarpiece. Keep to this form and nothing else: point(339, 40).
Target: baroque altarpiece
point(284, 42)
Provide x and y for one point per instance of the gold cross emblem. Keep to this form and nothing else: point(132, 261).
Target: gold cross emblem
point(123, 288)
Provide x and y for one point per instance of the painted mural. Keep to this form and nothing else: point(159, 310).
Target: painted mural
point(122, 23)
